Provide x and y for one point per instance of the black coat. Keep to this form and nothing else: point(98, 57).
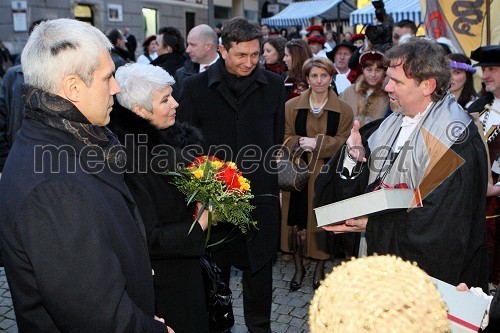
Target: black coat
point(11, 109)
point(73, 245)
point(189, 69)
point(170, 62)
point(178, 281)
point(494, 323)
point(447, 236)
point(256, 124)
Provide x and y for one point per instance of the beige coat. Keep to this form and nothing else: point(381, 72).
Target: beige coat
point(378, 103)
point(316, 237)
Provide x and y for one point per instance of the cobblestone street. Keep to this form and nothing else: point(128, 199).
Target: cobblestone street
point(289, 311)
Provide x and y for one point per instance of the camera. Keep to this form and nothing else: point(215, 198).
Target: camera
point(381, 33)
point(380, 13)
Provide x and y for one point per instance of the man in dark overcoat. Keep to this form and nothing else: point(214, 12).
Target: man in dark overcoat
point(240, 109)
point(429, 143)
point(73, 245)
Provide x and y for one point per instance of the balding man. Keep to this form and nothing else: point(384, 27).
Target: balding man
point(202, 50)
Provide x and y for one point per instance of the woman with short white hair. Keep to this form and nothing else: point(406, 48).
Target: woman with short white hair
point(144, 120)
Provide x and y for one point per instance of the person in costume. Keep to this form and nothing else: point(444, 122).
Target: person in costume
point(488, 109)
point(428, 143)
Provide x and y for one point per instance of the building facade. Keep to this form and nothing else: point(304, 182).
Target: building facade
point(143, 17)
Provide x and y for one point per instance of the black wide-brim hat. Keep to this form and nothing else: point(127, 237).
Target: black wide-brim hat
point(486, 55)
point(349, 45)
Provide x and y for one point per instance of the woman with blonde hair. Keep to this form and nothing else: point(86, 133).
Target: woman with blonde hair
point(319, 123)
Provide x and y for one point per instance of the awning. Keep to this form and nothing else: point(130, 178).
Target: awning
point(399, 10)
point(299, 13)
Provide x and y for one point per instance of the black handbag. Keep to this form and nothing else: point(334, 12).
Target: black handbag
point(293, 171)
point(218, 296)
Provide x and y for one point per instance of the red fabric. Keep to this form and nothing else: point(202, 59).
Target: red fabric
point(355, 37)
point(493, 237)
point(316, 39)
point(277, 68)
point(315, 27)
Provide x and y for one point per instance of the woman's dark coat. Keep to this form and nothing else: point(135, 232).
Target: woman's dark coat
point(178, 281)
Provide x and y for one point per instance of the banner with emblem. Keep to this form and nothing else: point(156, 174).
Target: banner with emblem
point(461, 21)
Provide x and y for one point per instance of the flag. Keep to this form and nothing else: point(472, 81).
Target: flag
point(461, 21)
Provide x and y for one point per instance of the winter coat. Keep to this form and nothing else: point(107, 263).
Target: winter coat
point(328, 145)
point(254, 124)
point(11, 109)
point(170, 62)
point(174, 252)
point(73, 244)
point(189, 69)
point(366, 107)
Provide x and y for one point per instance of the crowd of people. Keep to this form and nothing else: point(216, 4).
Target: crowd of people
point(95, 237)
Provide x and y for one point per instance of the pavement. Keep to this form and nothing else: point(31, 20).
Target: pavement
point(289, 311)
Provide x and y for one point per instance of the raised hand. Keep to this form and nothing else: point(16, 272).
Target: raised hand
point(355, 144)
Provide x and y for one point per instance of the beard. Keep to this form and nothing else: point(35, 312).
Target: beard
point(396, 108)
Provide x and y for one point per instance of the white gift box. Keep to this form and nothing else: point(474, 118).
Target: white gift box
point(368, 204)
point(465, 310)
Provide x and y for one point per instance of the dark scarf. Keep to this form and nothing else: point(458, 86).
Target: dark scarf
point(59, 113)
point(122, 53)
point(237, 85)
point(278, 68)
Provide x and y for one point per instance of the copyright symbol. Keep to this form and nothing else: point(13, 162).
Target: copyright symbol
point(457, 131)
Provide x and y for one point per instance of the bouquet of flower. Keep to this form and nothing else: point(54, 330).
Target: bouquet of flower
point(220, 187)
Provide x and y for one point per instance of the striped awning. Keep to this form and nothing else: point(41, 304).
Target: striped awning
point(399, 10)
point(299, 13)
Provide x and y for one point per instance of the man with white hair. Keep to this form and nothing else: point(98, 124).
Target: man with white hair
point(73, 244)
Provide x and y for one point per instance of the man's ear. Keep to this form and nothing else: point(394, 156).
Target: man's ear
point(223, 51)
point(72, 87)
point(429, 86)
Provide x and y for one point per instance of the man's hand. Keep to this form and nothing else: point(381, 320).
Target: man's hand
point(169, 330)
point(355, 144)
point(350, 225)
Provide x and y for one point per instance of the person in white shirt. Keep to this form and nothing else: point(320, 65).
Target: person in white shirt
point(150, 46)
point(340, 56)
point(317, 45)
point(202, 46)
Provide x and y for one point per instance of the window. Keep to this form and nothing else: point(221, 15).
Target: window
point(84, 13)
point(150, 21)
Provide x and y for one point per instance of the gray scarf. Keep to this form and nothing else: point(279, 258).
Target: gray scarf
point(443, 125)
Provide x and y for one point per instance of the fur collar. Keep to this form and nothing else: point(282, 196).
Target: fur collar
point(367, 102)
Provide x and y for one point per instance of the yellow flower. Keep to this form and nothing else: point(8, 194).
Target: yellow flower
point(231, 165)
point(217, 164)
point(198, 173)
point(245, 187)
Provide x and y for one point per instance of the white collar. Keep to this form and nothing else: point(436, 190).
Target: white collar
point(202, 66)
point(408, 121)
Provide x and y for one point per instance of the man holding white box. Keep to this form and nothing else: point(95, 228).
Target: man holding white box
point(429, 143)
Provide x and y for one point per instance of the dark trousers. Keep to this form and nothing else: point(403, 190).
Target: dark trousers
point(257, 297)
